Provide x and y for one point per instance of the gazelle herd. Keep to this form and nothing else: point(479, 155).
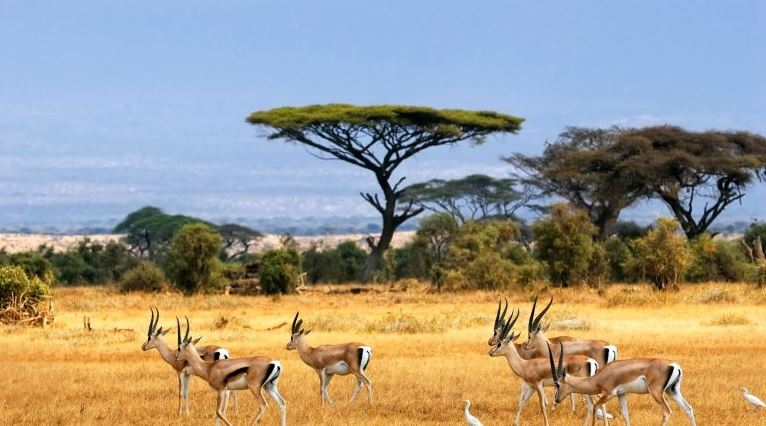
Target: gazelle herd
point(585, 367)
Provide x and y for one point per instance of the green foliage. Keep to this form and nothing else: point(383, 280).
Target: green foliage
point(627, 230)
point(716, 260)
point(192, 262)
point(279, 271)
point(564, 242)
point(755, 230)
point(411, 261)
point(14, 282)
point(481, 256)
point(445, 121)
point(149, 231)
point(435, 234)
point(237, 240)
point(662, 255)
point(336, 265)
point(33, 263)
point(618, 256)
point(145, 276)
point(90, 262)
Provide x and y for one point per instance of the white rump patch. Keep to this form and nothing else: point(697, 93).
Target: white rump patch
point(366, 356)
point(592, 366)
point(611, 353)
point(221, 353)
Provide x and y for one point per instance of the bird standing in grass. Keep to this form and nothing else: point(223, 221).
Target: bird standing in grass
point(752, 399)
point(469, 419)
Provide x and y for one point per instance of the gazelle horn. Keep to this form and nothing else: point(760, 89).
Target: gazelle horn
point(540, 316)
point(178, 331)
point(151, 323)
point(186, 337)
point(560, 371)
point(292, 330)
point(554, 372)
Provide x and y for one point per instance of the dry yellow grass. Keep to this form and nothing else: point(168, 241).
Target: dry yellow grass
point(429, 350)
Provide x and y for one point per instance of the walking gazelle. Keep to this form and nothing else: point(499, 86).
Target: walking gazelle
point(536, 372)
point(654, 376)
point(255, 373)
point(328, 360)
point(155, 340)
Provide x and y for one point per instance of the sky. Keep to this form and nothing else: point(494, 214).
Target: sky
point(107, 106)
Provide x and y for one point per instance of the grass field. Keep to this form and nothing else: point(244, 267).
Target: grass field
point(430, 354)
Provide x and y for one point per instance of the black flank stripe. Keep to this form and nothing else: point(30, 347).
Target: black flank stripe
point(667, 379)
point(235, 373)
point(269, 369)
point(360, 351)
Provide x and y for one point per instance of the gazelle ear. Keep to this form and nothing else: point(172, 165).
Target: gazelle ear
point(307, 333)
point(159, 331)
point(167, 331)
point(195, 341)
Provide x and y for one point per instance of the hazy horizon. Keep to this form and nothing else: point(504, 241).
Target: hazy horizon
point(105, 108)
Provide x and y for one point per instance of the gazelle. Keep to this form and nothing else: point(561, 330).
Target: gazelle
point(524, 353)
point(329, 360)
point(600, 350)
point(155, 340)
point(255, 373)
point(536, 372)
point(654, 376)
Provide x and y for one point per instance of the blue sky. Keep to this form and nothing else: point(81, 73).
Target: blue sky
point(109, 106)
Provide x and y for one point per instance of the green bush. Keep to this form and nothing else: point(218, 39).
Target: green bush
point(337, 265)
point(564, 241)
point(192, 261)
point(662, 255)
point(618, 256)
point(279, 271)
point(716, 260)
point(90, 262)
point(143, 277)
point(409, 261)
point(14, 282)
point(33, 263)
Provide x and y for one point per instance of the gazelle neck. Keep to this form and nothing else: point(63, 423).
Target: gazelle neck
point(583, 385)
point(167, 354)
point(200, 367)
point(305, 351)
point(515, 361)
point(541, 344)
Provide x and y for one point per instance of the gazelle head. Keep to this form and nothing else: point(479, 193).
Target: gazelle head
point(506, 337)
point(185, 345)
point(559, 374)
point(296, 333)
point(154, 333)
point(499, 320)
point(535, 326)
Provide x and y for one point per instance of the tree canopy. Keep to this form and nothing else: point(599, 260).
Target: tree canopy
point(148, 230)
point(472, 197)
point(380, 138)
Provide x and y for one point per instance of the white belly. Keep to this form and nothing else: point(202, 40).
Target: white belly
point(636, 386)
point(340, 368)
point(239, 384)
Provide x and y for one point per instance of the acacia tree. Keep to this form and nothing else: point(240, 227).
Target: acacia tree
point(380, 139)
point(237, 239)
point(584, 167)
point(472, 197)
point(696, 174)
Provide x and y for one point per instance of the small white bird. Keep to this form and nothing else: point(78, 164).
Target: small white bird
point(752, 399)
point(469, 419)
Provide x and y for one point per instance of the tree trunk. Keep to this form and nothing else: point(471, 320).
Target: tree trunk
point(374, 262)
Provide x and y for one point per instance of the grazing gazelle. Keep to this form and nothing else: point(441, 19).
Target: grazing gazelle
point(600, 350)
point(255, 373)
point(524, 353)
point(535, 372)
point(654, 376)
point(328, 360)
point(155, 340)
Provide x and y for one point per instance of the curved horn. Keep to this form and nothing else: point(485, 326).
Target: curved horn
point(502, 316)
point(298, 325)
point(151, 322)
point(554, 372)
point(542, 313)
point(157, 319)
point(512, 322)
point(292, 330)
point(186, 337)
point(178, 331)
point(560, 371)
point(532, 316)
point(497, 315)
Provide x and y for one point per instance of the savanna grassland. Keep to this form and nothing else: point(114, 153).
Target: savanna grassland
point(429, 354)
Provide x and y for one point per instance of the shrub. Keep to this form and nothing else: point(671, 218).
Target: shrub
point(716, 260)
point(662, 255)
point(192, 262)
point(564, 241)
point(33, 263)
point(143, 277)
point(618, 256)
point(20, 294)
point(279, 271)
point(411, 261)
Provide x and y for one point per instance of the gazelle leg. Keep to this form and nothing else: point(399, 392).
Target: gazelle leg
point(357, 388)
point(271, 388)
point(624, 408)
point(180, 392)
point(226, 400)
point(541, 397)
point(526, 393)
point(660, 398)
point(187, 385)
point(366, 381)
point(572, 399)
point(235, 399)
point(600, 403)
point(258, 393)
point(220, 415)
point(327, 379)
point(679, 399)
point(321, 386)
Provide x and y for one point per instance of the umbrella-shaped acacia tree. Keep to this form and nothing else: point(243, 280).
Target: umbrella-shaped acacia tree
point(379, 139)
